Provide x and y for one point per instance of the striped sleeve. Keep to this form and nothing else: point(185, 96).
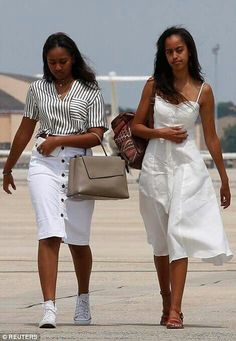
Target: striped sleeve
point(31, 109)
point(96, 113)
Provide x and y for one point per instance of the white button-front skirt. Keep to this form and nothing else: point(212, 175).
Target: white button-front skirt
point(57, 215)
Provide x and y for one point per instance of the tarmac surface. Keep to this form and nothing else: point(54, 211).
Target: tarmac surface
point(125, 300)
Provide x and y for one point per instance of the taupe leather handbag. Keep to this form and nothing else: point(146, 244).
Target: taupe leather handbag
point(97, 177)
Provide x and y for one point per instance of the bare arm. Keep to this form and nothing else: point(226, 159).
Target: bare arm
point(21, 139)
point(139, 127)
point(207, 107)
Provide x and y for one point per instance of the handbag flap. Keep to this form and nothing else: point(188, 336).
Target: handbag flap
point(98, 167)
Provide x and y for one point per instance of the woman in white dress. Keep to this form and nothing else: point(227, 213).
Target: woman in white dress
point(177, 199)
point(69, 107)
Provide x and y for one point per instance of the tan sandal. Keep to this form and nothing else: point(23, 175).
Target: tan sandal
point(175, 322)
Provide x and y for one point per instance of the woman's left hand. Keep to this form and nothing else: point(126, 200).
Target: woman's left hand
point(48, 145)
point(225, 195)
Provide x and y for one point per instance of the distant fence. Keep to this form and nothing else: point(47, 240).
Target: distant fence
point(229, 159)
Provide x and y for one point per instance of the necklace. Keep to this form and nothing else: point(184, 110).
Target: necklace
point(64, 82)
point(63, 87)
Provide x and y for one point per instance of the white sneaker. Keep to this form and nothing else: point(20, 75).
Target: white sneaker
point(82, 310)
point(49, 318)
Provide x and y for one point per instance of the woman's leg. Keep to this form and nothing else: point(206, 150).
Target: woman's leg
point(163, 273)
point(48, 251)
point(178, 271)
point(82, 258)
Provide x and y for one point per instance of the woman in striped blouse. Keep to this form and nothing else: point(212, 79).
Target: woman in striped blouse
point(69, 107)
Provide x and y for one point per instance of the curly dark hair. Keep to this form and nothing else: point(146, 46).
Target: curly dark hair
point(80, 69)
point(163, 74)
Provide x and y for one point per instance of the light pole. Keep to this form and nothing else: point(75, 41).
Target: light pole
point(114, 104)
point(215, 51)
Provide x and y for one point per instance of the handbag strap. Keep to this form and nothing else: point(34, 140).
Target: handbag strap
point(150, 120)
point(100, 140)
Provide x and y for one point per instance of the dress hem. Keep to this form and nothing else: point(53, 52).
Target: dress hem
point(217, 259)
point(50, 235)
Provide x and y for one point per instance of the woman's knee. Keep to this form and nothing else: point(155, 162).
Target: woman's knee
point(80, 250)
point(51, 242)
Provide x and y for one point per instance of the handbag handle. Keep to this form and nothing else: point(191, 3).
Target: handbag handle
point(150, 119)
point(100, 140)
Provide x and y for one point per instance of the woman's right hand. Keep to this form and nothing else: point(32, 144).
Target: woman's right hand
point(173, 134)
point(7, 182)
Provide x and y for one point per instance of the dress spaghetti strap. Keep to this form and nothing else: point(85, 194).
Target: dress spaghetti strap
point(200, 91)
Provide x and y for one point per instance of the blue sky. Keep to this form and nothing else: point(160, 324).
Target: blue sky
point(120, 36)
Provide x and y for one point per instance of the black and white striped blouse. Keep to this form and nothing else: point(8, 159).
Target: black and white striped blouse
point(82, 108)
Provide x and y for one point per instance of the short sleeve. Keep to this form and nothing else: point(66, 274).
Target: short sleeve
point(96, 113)
point(31, 109)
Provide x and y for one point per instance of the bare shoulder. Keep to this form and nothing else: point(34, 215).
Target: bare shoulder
point(150, 81)
point(206, 95)
point(148, 87)
point(207, 89)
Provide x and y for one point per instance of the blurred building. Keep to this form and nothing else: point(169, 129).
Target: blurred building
point(13, 90)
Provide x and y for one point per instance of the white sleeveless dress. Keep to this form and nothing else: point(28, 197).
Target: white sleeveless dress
point(177, 199)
